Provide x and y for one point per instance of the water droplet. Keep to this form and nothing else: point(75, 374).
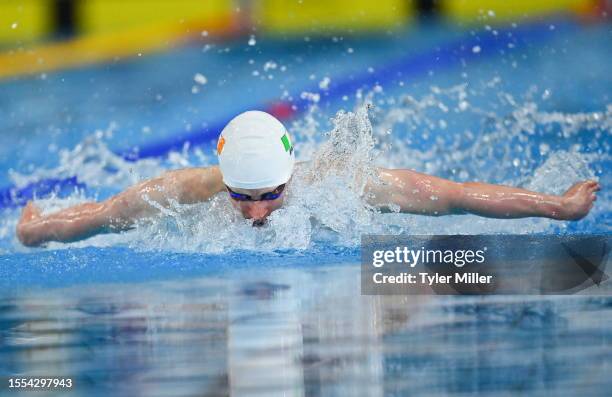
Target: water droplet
point(324, 84)
point(200, 79)
point(270, 65)
point(476, 49)
point(14, 25)
point(252, 40)
point(312, 97)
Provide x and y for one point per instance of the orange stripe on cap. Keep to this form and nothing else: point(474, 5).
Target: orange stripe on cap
point(220, 145)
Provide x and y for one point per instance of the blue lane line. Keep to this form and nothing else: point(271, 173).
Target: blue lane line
point(403, 69)
point(451, 54)
point(11, 197)
point(176, 143)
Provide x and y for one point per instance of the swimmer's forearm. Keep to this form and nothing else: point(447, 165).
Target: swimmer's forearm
point(72, 224)
point(418, 193)
point(85, 220)
point(497, 201)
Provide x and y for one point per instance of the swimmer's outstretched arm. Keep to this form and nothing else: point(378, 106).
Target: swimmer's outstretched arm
point(119, 212)
point(423, 194)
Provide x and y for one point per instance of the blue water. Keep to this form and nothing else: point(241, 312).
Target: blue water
point(138, 318)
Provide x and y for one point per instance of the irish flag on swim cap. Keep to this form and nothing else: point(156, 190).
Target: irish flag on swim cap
point(255, 152)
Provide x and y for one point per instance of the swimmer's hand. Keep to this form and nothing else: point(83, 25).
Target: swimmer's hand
point(578, 200)
point(29, 215)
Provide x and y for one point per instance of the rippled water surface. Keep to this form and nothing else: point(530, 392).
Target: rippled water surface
point(303, 330)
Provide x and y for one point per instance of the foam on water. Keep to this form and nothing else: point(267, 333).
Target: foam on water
point(454, 133)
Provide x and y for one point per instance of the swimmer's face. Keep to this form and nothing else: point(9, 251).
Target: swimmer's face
point(257, 209)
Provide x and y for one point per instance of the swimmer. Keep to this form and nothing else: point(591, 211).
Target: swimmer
point(256, 163)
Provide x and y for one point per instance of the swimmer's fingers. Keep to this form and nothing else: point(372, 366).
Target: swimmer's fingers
point(588, 187)
point(575, 187)
point(579, 199)
point(30, 212)
point(591, 184)
point(593, 190)
point(26, 228)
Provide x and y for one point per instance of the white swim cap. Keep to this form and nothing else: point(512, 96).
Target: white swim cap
point(255, 152)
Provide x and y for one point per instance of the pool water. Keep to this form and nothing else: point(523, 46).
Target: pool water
point(198, 303)
point(303, 330)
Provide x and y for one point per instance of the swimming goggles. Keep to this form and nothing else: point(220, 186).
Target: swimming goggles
point(273, 195)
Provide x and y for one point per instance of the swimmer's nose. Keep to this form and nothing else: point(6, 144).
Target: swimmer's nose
point(256, 212)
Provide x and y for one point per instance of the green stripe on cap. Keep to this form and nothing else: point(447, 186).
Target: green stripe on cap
point(286, 142)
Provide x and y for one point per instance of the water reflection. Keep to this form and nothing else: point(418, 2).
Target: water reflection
point(303, 332)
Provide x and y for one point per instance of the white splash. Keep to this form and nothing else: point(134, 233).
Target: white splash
point(93, 163)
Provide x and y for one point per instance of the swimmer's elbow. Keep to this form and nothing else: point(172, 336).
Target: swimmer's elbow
point(119, 215)
point(455, 198)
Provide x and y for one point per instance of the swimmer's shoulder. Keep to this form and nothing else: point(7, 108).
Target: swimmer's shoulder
point(198, 183)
